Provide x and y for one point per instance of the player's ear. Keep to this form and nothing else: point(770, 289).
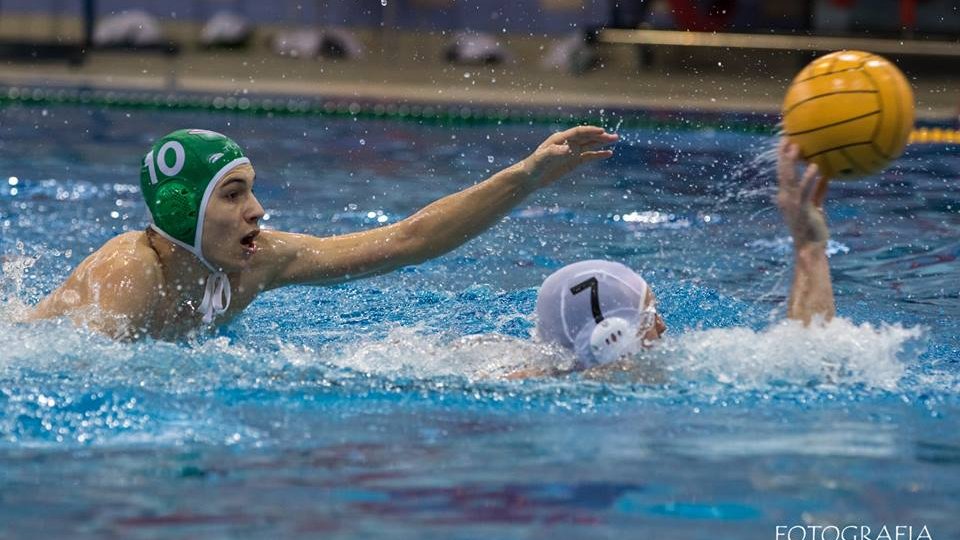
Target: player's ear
point(650, 298)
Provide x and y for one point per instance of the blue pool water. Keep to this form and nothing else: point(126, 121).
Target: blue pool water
point(375, 409)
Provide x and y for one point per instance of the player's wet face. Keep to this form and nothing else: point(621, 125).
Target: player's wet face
point(231, 222)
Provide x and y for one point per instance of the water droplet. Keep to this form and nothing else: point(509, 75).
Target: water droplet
point(489, 159)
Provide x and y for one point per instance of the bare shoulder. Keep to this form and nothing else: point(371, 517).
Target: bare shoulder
point(125, 258)
point(271, 243)
point(276, 250)
point(287, 258)
point(122, 276)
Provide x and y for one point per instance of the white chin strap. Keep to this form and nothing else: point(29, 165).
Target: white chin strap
point(216, 293)
point(216, 296)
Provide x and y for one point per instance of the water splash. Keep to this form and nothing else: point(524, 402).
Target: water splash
point(840, 353)
point(408, 352)
point(784, 355)
point(13, 269)
point(752, 179)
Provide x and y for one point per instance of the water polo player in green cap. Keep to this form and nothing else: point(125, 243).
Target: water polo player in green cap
point(204, 258)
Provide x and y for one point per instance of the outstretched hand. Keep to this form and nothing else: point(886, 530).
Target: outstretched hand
point(563, 152)
point(801, 200)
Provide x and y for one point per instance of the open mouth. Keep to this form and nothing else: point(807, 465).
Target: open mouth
point(249, 243)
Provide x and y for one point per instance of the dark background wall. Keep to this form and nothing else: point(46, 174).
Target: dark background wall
point(941, 17)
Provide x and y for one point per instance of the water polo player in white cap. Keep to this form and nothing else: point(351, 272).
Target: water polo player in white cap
point(603, 311)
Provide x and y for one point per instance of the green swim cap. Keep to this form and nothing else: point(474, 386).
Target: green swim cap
point(178, 175)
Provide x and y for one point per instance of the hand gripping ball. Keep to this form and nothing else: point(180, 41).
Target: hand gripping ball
point(851, 113)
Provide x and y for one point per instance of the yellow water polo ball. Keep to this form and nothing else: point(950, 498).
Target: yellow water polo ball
point(851, 113)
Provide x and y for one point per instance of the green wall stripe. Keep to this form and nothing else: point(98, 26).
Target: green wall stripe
point(417, 112)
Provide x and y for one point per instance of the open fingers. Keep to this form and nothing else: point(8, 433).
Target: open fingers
point(589, 137)
point(786, 164)
point(581, 130)
point(595, 155)
point(810, 182)
point(782, 145)
point(589, 145)
point(582, 135)
point(562, 136)
point(578, 152)
point(820, 193)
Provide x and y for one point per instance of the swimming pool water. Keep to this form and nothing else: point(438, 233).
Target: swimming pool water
point(375, 409)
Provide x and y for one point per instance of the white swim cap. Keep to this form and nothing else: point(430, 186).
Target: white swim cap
point(593, 308)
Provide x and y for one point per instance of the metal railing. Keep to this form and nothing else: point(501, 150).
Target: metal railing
point(778, 42)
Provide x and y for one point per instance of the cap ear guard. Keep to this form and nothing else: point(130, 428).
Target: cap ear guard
point(176, 207)
point(609, 340)
point(612, 339)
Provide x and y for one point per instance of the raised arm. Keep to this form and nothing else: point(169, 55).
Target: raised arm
point(801, 203)
point(439, 227)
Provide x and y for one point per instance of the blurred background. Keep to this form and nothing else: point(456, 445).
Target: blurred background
point(589, 53)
